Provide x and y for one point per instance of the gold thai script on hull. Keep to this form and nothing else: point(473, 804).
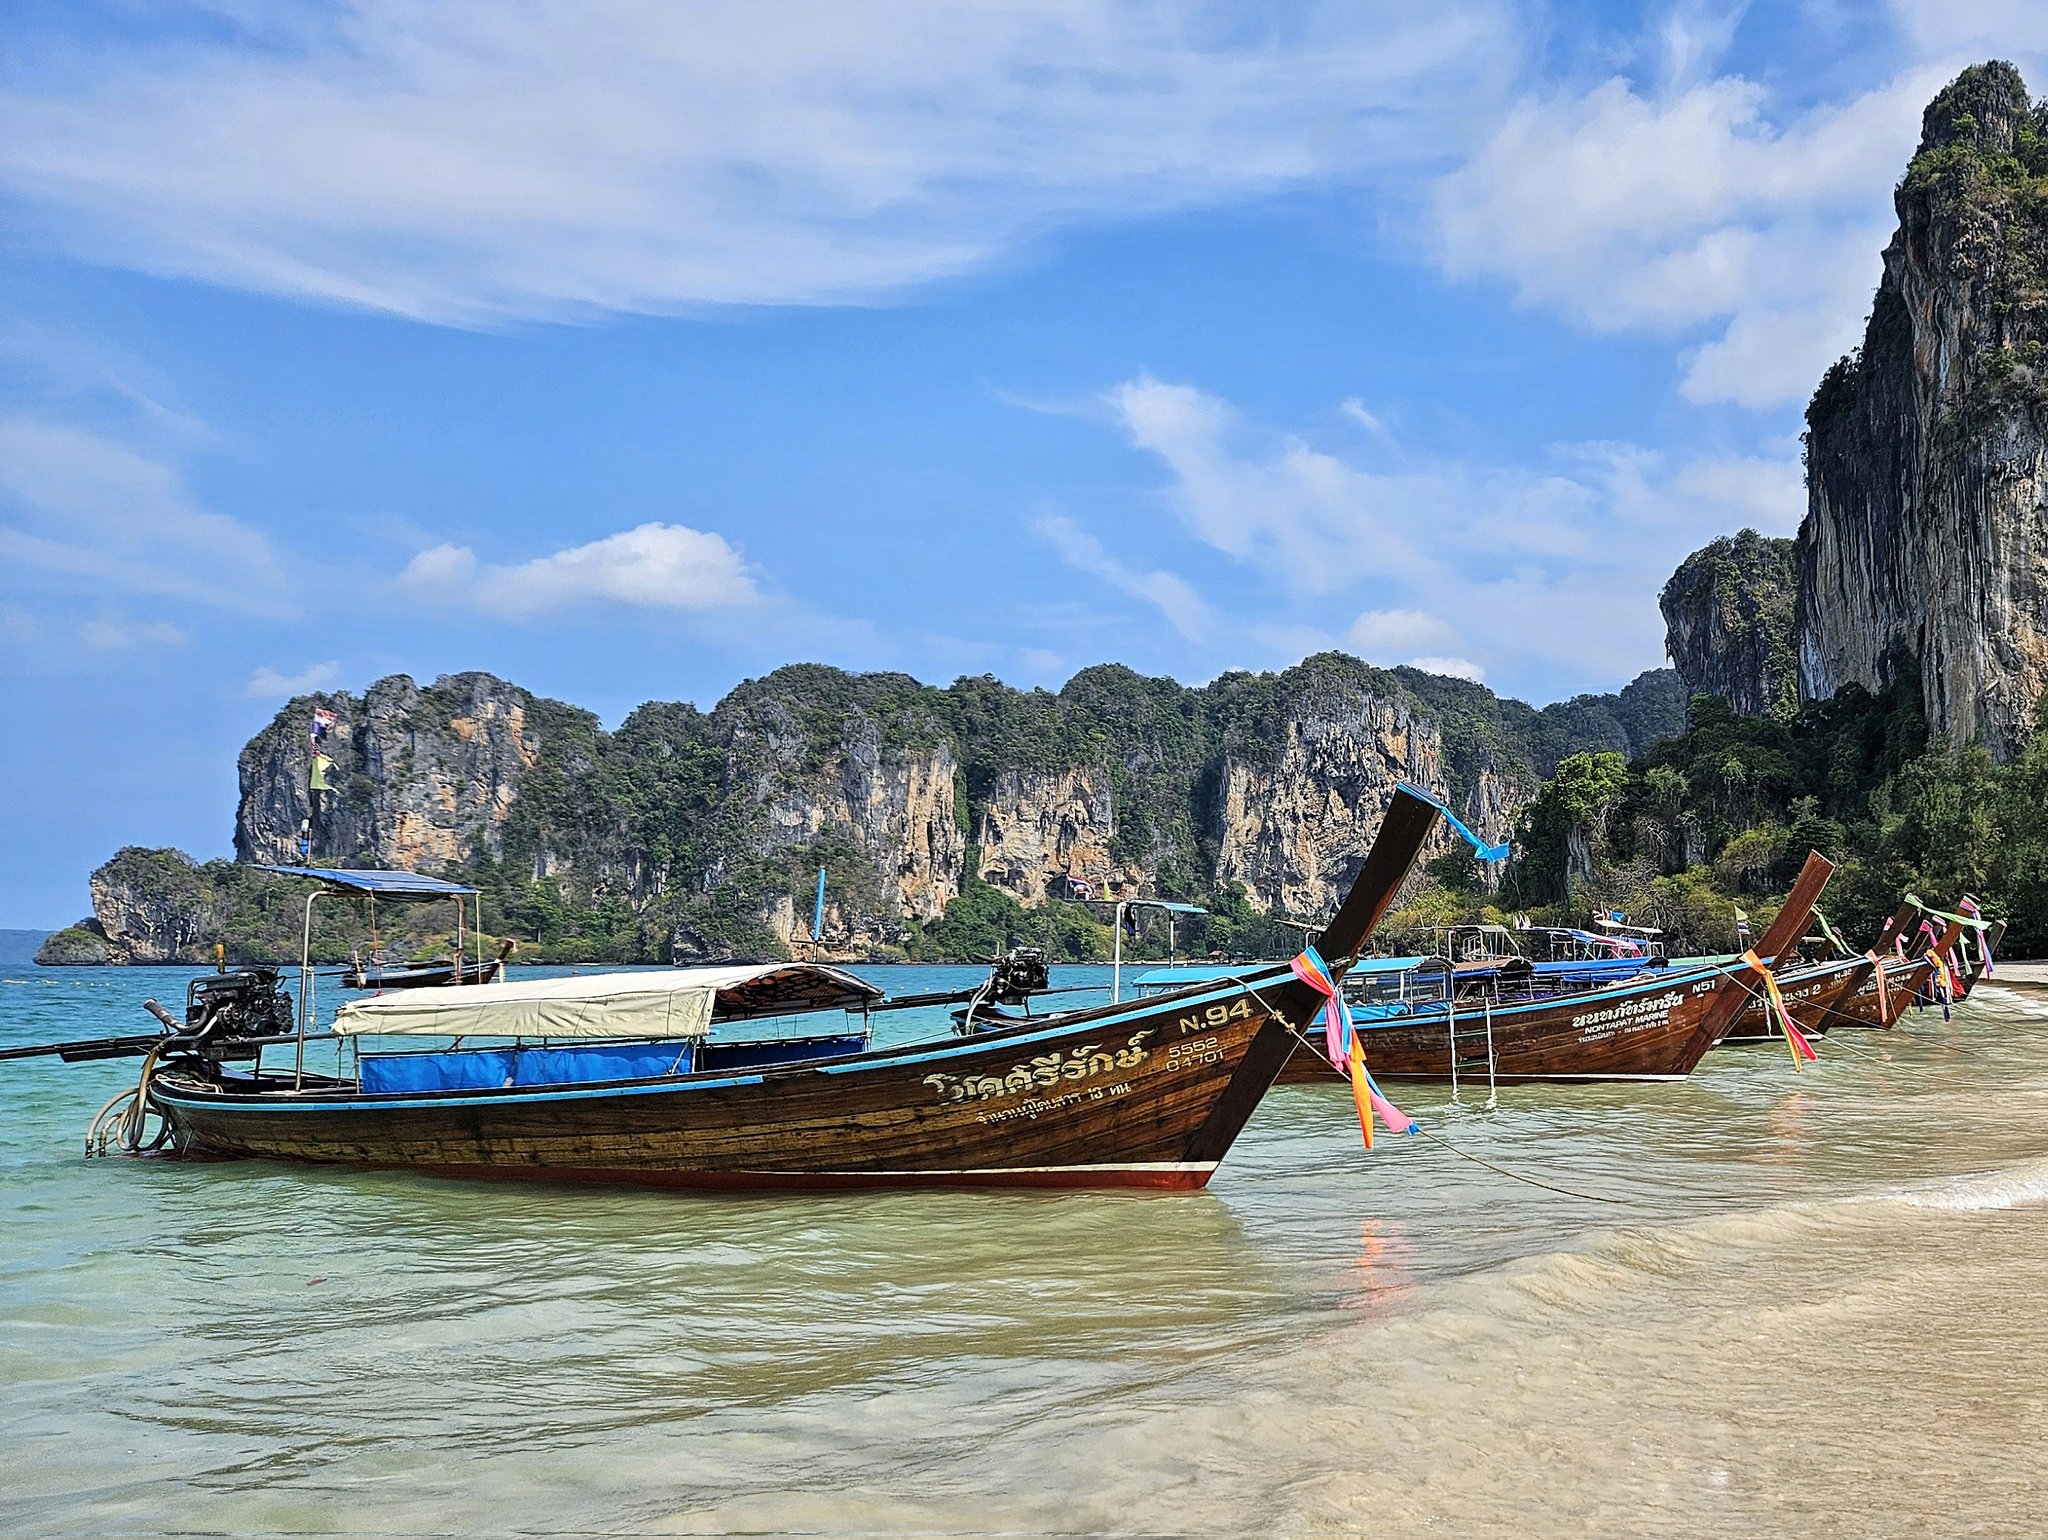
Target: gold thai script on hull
point(1628, 1014)
point(1044, 1072)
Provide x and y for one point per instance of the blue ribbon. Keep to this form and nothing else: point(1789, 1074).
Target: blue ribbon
point(1484, 851)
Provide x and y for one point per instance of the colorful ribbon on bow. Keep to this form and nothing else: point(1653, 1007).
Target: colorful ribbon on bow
point(1828, 931)
point(1968, 906)
point(1943, 982)
point(1310, 968)
point(1884, 989)
point(1366, 1097)
point(1347, 1054)
point(1802, 1050)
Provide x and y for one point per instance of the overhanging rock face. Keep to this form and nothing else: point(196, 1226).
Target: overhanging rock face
point(1925, 545)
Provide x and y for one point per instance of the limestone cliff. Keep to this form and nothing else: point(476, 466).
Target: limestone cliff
point(882, 801)
point(74, 946)
point(1925, 545)
point(1295, 814)
point(689, 834)
point(1052, 833)
point(423, 779)
point(1728, 617)
point(153, 906)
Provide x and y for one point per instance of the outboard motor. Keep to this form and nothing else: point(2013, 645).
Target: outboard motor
point(1014, 979)
point(226, 1008)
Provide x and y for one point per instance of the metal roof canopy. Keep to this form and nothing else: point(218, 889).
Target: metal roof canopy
point(376, 884)
point(1209, 973)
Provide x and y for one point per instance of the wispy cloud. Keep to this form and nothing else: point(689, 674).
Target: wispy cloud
point(270, 684)
point(1174, 597)
point(1737, 216)
point(471, 163)
point(85, 510)
point(117, 633)
point(1473, 570)
point(662, 567)
point(1457, 668)
point(1382, 636)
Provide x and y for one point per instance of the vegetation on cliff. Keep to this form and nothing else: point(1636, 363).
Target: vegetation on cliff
point(686, 834)
point(1723, 814)
point(1920, 552)
point(1728, 615)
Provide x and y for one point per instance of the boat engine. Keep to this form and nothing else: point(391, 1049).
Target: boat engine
point(1013, 979)
point(223, 1010)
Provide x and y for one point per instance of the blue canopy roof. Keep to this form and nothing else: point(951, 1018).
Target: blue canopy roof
point(381, 884)
point(1209, 973)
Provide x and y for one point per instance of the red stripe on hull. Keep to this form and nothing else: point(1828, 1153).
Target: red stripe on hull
point(773, 1181)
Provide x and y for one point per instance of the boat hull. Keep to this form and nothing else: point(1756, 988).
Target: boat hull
point(1652, 1029)
point(1129, 1096)
point(1839, 992)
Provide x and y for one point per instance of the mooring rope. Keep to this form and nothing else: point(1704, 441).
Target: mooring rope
point(1516, 1176)
point(1415, 1126)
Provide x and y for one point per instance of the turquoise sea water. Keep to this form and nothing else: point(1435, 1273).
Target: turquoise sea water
point(1816, 1308)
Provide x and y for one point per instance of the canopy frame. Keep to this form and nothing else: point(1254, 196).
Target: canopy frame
point(647, 1003)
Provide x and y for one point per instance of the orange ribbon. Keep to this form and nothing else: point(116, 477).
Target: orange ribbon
point(1794, 1039)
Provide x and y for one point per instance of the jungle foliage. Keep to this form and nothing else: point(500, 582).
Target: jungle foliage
point(1723, 814)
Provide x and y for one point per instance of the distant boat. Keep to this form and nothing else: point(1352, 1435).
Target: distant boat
point(1656, 1025)
point(375, 971)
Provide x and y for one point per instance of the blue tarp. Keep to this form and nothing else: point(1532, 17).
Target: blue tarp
point(383, 884)
point(1211, 973)
point(478, 1069)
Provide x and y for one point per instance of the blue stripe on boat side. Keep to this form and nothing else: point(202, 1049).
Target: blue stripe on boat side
point(283, 1101)
point(969, 1044)
point(1667, 981)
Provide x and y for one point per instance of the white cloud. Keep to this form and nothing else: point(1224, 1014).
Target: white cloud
point(468, 163)
point(83, 510)
point(1547, 571)
point(114, 633)
point(1456, 668)
point(1174, 597)
point(1266, 497)
point(1355, 409)
point(1379, 634)
point(1756, 492)
point(2008, 28)
point(269, 684)
point(1665, 213)
point(652, 567)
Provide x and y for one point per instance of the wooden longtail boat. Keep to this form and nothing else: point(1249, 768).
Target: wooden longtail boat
point(1986, 940)
point(1838, 991)
point(1656, 1027)
point(1147, 1093)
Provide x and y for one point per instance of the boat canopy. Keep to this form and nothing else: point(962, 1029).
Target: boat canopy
point(376, 884)
point(665, 1004)
point(1213, 973)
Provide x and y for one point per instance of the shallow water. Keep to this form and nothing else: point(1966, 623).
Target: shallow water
point(1817, 1307)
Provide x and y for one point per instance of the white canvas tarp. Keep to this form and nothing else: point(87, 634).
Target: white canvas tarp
point(669, 1003)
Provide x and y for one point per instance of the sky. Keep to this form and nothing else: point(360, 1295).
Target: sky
point(628, 351)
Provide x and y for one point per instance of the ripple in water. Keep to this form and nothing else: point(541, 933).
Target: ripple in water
point(1814, 1309)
